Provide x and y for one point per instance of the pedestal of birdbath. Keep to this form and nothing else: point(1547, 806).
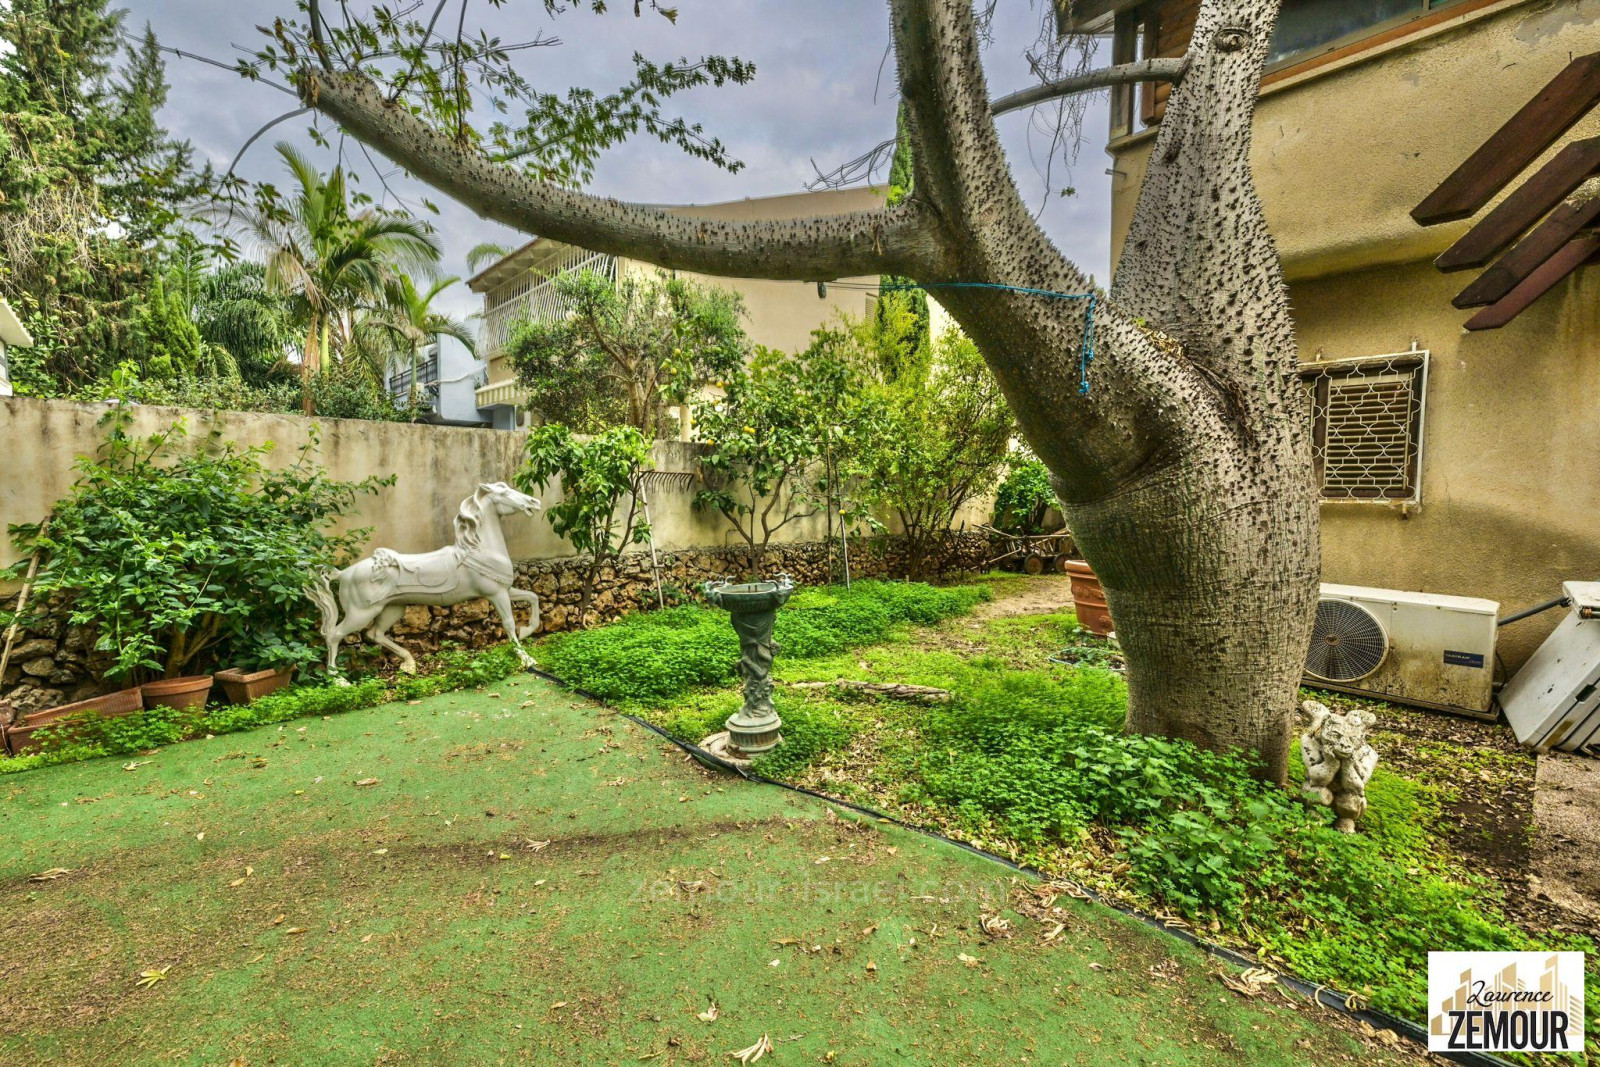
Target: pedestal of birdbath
point(753, 606)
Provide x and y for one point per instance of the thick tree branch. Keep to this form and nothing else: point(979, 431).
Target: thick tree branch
point(1145, 70)
point(896, 240)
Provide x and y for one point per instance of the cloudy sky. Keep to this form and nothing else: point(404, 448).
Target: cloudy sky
point(818, 94)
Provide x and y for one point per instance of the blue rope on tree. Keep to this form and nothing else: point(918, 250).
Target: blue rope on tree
point(1086, 351)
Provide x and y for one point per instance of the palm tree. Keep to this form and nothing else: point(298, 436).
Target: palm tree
point(485, 253)
point(332, 261)
point(404, 325)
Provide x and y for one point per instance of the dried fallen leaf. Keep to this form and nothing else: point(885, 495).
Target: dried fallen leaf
point(1052, 934)
point(1249, 983)
point(236, 883)
point(136, 764)
point(1168, 970)
point(150, 978)
point(710, 1014)
point(970, 961)
point(994, 925)
point(295, 930)
point(754, 1052)
point(380, 852)
point(367, 781)
point(872, 968)
point(51, 875)
point(558, 1004)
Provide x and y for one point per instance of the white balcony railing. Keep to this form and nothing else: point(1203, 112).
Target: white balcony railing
point(533, 296)
point(507, 393)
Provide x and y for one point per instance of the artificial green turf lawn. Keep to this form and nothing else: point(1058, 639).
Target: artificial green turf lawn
point(465, 943)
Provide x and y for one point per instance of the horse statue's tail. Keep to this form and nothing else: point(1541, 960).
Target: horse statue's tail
point(320, 590)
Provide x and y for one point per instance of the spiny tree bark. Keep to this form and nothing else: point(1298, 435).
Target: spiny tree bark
point(1184, 467)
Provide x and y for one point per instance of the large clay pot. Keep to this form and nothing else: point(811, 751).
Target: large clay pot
point(19, 735)
point(246, 688)
point(107, 705)
point(1088, 599)
point(190, 691)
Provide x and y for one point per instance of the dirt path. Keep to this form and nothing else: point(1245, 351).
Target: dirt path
point(1043, 594)
point(1566, 842)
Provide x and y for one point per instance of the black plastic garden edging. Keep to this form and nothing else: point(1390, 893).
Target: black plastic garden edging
point(1318, 994)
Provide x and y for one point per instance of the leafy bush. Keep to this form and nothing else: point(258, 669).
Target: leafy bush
point(654, 656)
point(193, 561)
point(596, 475)
point(1024, 497)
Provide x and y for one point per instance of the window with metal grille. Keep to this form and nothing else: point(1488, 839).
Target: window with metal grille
point(1367, 426)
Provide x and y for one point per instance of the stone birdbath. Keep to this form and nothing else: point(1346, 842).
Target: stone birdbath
point(753, 729)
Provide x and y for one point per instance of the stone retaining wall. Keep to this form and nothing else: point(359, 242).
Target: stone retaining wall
point(55, 663)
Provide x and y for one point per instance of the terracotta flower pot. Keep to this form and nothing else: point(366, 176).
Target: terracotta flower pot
point(1088, 599)
point(107, 705)
point(189, 691)
point(19, 739)
point(247, 687)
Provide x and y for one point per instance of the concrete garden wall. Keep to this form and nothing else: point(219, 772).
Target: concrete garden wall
point(435, 467)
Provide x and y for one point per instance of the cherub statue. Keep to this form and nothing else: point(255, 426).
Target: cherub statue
point(1338, 760)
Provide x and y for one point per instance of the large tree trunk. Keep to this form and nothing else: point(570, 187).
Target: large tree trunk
point(1180, 453)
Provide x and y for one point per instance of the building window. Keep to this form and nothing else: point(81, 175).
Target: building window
point(1305, 30)
point(1307, 26)
point(1367, 418)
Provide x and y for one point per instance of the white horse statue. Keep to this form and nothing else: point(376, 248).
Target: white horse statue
point(376, 591)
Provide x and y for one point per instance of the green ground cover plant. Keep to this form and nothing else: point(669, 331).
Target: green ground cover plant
point(651, 657)
point(1029, 760)
point(90, 737)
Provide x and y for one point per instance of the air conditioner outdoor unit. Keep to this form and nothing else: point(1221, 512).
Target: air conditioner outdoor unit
point(1412, 648)
point(1554, 701)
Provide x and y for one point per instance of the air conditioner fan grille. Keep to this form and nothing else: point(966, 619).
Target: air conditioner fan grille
point(1347, 642)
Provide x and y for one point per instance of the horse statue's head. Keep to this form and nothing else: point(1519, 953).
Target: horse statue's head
point(497, 495)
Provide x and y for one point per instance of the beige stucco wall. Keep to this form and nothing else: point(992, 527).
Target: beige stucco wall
point(1343, 154)
point(1511, 471)
point(436, 467)
point(1511, 442)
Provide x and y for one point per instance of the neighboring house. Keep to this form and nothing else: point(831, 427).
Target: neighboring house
point(12, 335)
point(778, 314)
point(1452, 461)
point(447, 379)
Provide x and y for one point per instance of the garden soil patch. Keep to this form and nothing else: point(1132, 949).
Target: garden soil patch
point(524, 878)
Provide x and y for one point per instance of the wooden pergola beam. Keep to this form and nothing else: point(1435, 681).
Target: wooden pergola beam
point(1575, 214)
point(1523, 138)
point(1525, 206)
point(1574, 255)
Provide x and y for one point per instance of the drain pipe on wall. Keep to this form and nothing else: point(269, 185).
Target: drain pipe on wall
point(1558, 602)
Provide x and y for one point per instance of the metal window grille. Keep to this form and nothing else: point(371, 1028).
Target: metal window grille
point(1367, 419)
point(532, 295)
